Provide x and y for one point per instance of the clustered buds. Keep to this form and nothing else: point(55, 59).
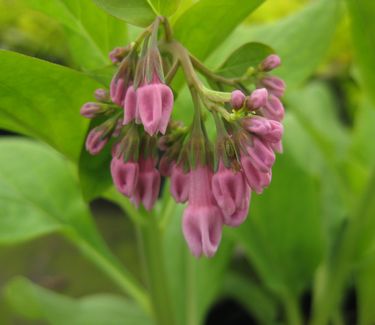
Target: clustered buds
point(215, 180)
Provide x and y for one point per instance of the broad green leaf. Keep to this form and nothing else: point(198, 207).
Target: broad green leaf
point(91, 33)
point(36, 303)
point(206, 24)
point(165, 7)
point(248, 55)
point(283, 236)
point(39, 193)
point(362, 15)
point(42, 100)
point(299, 39)
point(135, 12)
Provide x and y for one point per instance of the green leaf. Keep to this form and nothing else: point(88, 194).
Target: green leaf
point(165, 7)
point(298, 39)
point(36, 303)
point(42, 100)
point(365, 283)
point(39, 194)
point(135, 12)
point(362, 15)
point(248, 55)
point(91, 33)
point(208, 23)
point(281, 217)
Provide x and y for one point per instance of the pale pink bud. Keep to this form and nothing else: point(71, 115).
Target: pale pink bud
point(274, 85)
point(232, 195)
point(258, 98)
point(269, 130)
point(255, 179)
point(96, 141)
point(130, 105)
point(274, 109)
point(148, 186)
point(202, 220)
point(179, 184)
point(90, 110)
point(270, 62)
point(155, 103)
point(237, 99)
point(261, 155)
point(117, 54)
point(124, 175)
point(101, 95)
point(118, 91)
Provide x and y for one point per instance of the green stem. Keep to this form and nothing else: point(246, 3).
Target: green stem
point(292, 310)
point(333, 275)
point(155, 272)
point(113, 270)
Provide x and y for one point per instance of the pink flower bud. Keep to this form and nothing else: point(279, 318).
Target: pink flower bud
point(237, 99)
point(232, 195)
point(277, 146)
point(117, 131)
point(90, 110)
point(269, 130)
point(148, 186)
point(117, 54)
point(261, 155)
point(270, 62)
point(274, 109)
point(202, 220)
point(179, 184)
point(257, 99)
point(101, 95)
point(130, 105)
point(124, 175)
point(118, 91)
point(155, 103)
point(274, 85)
point(95, 141)
point(255, 179)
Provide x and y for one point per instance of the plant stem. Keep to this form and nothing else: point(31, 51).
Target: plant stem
point(155, 272)
point(293, 313)
point(334, 274)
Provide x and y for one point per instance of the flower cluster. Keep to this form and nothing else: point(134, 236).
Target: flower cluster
point(214, 177)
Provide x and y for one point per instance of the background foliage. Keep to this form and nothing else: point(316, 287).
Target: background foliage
point(306, 252)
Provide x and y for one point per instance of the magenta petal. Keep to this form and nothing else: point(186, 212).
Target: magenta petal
point(167, 106)
point(130, 105)
point(124, 175)
point(202, 228)
point(179, 184)
point(150, 107)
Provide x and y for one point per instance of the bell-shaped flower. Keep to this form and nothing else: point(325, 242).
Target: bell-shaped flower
point(124, 175)
point(179, 184)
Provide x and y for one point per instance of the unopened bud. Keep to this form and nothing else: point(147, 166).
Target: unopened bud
point(257, 99)
point(274, 85)
point(118, 54)
point(90, 110)
point(270, 62)
point(101, 95)
point(237, 99)
point(96, 141)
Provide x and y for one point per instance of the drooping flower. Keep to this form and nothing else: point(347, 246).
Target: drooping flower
point(124, 175)
point(202, 219)
point(179, 184)
point(232, 195)
point(96, 141)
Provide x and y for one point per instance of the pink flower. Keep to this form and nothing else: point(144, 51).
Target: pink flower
point(96, 141)
point(124, 175)
point(258, 98)
point(90, 110)
point(148, 185)
point(232, 195)
point(268, 130)
point(118, 91)
point(274, 109)
point(274, 85)
point(237, 99)
point(155, 103)
point(202, 220)
point(256, 179)
point(130, 106)
point(261, 155)
point(101, 95)
point(270, 62)
point(179, 184)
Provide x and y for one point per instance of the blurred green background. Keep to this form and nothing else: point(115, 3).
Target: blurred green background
point(281, 262)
